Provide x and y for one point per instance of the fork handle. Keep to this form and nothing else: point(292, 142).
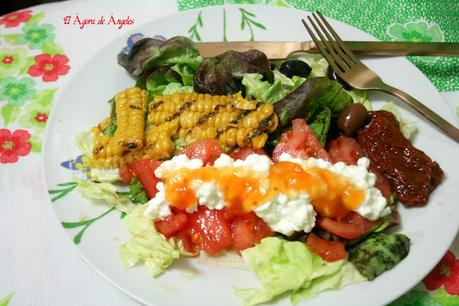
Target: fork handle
point(447, 127)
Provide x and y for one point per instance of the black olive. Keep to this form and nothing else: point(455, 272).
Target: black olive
point(295, 67)
point(331, 74)
point(352, 118)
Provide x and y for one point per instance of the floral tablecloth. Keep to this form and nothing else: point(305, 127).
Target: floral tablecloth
point(39, 51)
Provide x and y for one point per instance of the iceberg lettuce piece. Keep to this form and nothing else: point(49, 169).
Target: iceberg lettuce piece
point(146, 244)
point(85, 142)
point(106, 192)
point(105, 175)
point(289, 267)
point(408, 128)
point(258, 89)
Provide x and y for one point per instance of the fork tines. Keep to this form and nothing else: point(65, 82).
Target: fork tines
point(330, 44)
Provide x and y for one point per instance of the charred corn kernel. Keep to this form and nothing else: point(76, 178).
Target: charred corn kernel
point(232, 120)
point(130, 108)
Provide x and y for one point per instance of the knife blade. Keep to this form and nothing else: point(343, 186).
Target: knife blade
point(281, 49)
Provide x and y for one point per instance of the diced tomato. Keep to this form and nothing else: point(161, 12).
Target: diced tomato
point(126, 174)
point(228, 215)
point(328, 250)
point(248, 230)
point(185, 237)
point(242, 153)
point(346, 150)
point(209, 230)
point(382, 183)
point(207, 150)
point(351, 227)
point(172, 224)
point(144, 170)
point(300, 142)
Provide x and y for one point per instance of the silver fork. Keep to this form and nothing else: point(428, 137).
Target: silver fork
point(352, 71)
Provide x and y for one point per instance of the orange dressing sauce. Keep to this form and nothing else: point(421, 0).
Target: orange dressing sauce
point(332, 194)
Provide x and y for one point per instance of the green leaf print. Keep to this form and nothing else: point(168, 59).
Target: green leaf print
point(415, 297)
point(247, 19)
point(6, 300)
point(45, 97)
point(14, 39)
point(52, 49)
point(60, 192)
point(443, 298)
point(35, 141)
point(193, 30)
point(10, 113)
point(29, 62)
point(36, 18)
point(85, 224)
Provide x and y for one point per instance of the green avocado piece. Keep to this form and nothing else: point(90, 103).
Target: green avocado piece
point(378, 253)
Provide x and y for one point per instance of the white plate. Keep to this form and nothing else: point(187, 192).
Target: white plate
point(82, 104)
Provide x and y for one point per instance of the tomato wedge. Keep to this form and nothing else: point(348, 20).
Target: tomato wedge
point(144, 170)
point(351, 227)
point(329, 250)
point(248, 230)
point(207, 150)
point(172, 224)
point(300, 142)
point(242, 153)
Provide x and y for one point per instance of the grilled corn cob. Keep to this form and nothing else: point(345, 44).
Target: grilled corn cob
point(232, 120)
point(130, 108)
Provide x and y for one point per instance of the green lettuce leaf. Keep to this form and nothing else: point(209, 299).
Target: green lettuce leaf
point(85, 142)
point(321, 124)
point(347, 274)
point(360, 96)
point(105, 192)
point(137, 193)
point(317, 63)
point(146, 244)
point(289, 267)
point(149, 53)
point(408, 128)
point(258, 89)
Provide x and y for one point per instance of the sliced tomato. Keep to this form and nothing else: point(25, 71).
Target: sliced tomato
point(207, 150)
point(144, 170)
point(248, 230)
point(329, 250)
point(172, 224)
point(300, 142)
point(350, 227)
point(209, 230)
point(126, 174)
point(346, 150)
point(242, 153)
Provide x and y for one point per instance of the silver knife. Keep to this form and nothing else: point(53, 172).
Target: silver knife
point(281, 49)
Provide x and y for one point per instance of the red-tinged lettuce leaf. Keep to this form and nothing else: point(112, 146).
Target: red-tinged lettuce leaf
point(222, 75)
point(150, 53)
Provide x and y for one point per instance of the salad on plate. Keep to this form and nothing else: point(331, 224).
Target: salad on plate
point(273, 166)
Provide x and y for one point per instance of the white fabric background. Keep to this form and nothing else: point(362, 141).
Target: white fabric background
point(38, 263)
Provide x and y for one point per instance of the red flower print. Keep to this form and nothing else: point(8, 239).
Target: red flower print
point(51, 67)
point(41, 117)
point(445, 273)
point(8, 60)
point(14, 19)
point(13, 145)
